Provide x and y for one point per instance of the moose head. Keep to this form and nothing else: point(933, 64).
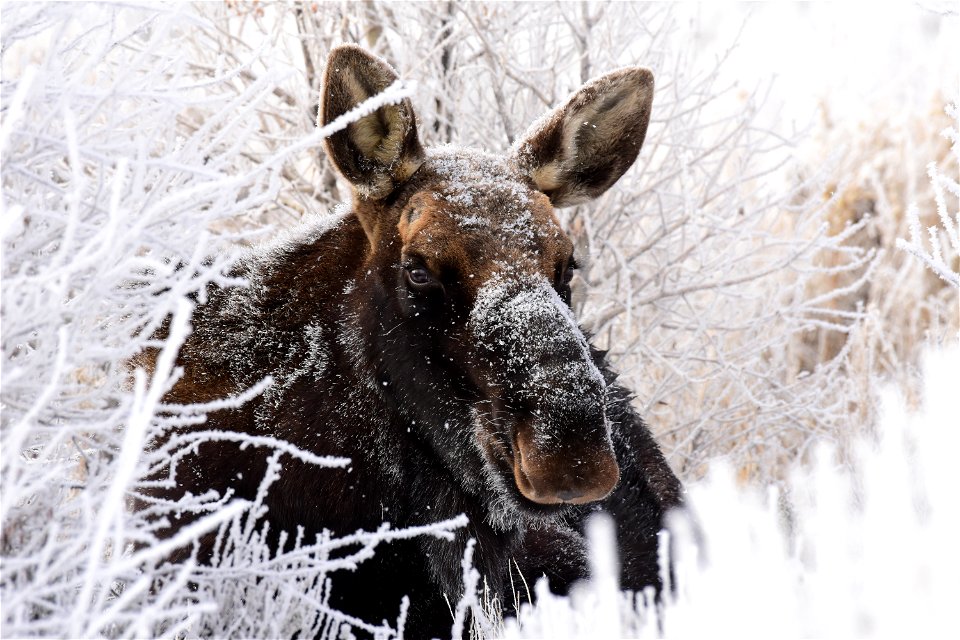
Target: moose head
point(471, 276)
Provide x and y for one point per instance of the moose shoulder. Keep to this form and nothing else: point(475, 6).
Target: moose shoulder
point(426, 335)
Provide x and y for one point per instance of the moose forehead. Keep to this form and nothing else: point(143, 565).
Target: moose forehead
point(477, 214)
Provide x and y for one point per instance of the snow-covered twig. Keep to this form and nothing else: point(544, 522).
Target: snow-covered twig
point(944, 242)
point(124, 170)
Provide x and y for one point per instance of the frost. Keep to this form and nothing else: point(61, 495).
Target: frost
point(131, 172)
point(525, 317)
point(308, 359)
point(489, 191)
point(942, 253)
point(474, 221)
point(269, 253)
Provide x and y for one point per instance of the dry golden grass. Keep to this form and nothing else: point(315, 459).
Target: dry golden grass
point(883, 171)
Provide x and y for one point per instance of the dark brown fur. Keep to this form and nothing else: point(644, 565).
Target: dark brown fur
point(472, 393)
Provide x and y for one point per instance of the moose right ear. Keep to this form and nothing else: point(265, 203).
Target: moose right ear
point(380, 150)
point(576, 152)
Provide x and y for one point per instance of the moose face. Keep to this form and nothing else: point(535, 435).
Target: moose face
point(479, 269)
point(483, 260)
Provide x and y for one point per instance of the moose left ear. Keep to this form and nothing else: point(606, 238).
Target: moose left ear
point(380, 150)
point(576, 152)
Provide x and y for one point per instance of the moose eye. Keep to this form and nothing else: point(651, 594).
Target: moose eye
point(567, 274)
point(418, 276)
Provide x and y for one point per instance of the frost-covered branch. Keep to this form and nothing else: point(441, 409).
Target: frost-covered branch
point(944, 242)
point(127, 164)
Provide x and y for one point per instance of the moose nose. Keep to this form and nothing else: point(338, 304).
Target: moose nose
point(575, 475)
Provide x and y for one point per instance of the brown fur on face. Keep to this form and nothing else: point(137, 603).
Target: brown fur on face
point(578, 476)
point(478, 217)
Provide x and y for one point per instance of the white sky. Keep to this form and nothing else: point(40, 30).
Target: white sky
point(848, 55)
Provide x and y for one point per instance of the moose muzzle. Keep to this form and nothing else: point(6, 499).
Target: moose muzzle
point(575, 473)
point(540, 361)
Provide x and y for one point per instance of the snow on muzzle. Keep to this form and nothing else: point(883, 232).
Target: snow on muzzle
point(539, 360)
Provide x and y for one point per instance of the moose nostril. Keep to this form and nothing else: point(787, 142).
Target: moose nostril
point(566, 495)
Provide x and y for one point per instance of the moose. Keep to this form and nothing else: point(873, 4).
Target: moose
point(426, 334)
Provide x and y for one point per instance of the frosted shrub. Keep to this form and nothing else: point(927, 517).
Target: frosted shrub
point(944, 239)
point(124, 164)
point(881, 188)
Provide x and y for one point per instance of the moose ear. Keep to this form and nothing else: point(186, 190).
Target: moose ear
point(381, 149)
point(576, 152)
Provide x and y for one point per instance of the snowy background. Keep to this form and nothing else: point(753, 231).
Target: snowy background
point(777, 278)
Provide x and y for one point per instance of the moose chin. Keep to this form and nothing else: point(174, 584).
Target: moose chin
point(426, 335)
